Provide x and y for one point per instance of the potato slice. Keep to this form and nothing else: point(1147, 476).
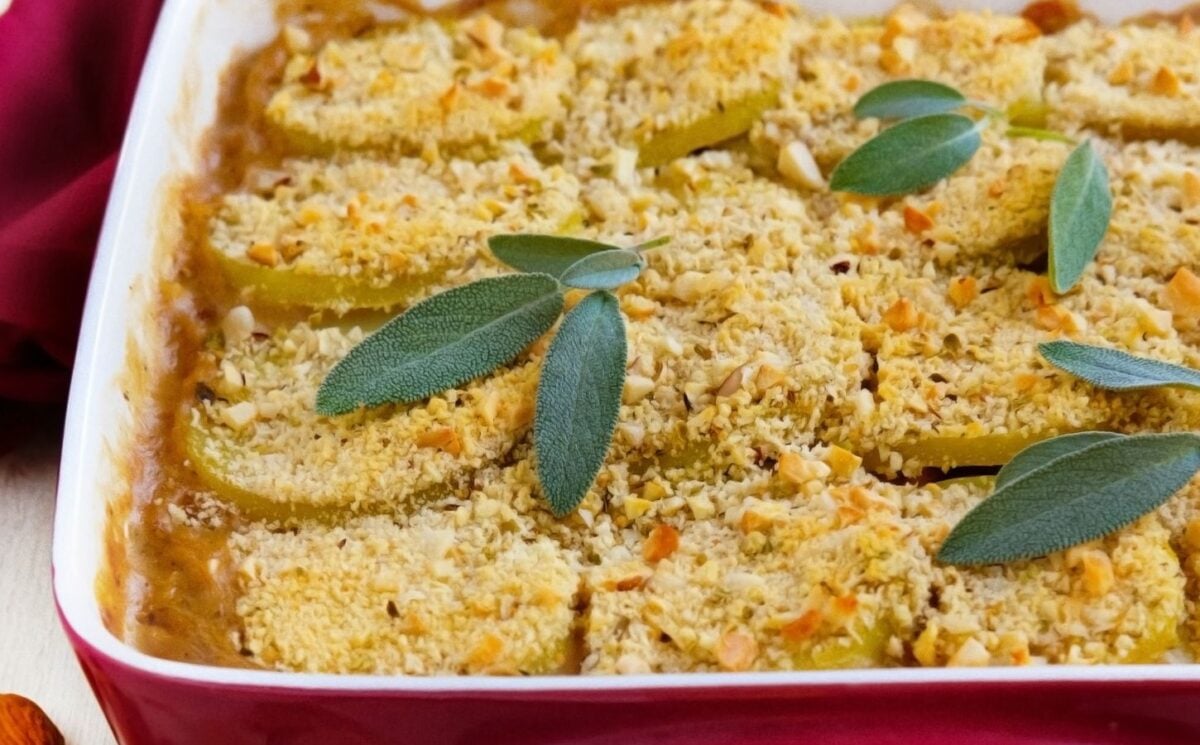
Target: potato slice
point(1116, 600)
point(668, 79)
point(467, 591)
point(772, 579)
point(451, 85)
point(999, 60)
point(259, 445)
point(957, 387)
point(362, 233)
point(1140, 80)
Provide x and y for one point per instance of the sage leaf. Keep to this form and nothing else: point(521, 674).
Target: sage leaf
point(1039, 454)
point(545, 254)
point(913, 155)
point(606, 270)
point(904, 99)
point(1074, 498)
point(578, 400)
point(1080, 207)
point(1114, 370)
point(443, 342)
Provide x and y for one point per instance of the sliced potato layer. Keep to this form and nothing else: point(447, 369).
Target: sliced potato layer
point(959, 380)
point(998, 60)
point(257, 442)
point(667, 79)
point(771, 575)
point(366, 233)
point(466, 591)
point(451, 86)
point(1140, 81)
point(1119, 599)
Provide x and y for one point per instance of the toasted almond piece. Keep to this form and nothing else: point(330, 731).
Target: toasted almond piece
point(1097, 574)
point(661, 543)
point(843, 462)
point(1191, 190)
point(1123, 73)
point(916, 221)
point(22, 722)
point(962, 291)
point(1028, 31)
point(736, 651)
point(902, 316)
point(803, 627)
point(1182, 294)
point(1052, 16)
point(971, 654)
point(263, 253)
point(796, 164)
point(442, 438)
point(732, 383)
point(1165, 82)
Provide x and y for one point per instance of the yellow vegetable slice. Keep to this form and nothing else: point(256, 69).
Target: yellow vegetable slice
point(440, 592)
point(732, 119)
point(671, 78)
point(864, 647)
point(365, 233)
point(456, 86)
point(257, 442)
point(982, 450)
point(1119, 599)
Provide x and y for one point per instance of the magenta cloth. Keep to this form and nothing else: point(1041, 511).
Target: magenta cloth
point(68, 70)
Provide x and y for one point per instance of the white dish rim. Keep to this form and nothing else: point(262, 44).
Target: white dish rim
point(102, 337)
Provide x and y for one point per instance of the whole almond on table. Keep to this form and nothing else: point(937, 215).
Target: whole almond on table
point(23, 722)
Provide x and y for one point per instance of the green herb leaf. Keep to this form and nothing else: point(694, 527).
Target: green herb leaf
point(1114, 370)
point(606, 270)
point(547, 254)
point(578, 399)
point(1080, 208)
point(1074, 498)
point(904, 99)
point(443, 342)
point(908, 157)
point(1039, 454)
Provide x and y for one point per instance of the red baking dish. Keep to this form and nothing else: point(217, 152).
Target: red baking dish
point(150, 700)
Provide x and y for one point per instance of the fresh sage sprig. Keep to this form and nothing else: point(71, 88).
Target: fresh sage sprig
point(469, 331)
point(1114, 370)
point(934, 138)
point(1080, 208)
point(1073, 493)
point(1077, 487)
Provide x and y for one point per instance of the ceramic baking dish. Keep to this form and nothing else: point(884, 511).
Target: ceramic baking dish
point(151, 700)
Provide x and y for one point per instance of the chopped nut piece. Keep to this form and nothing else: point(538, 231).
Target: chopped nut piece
point(797, 165)
point(843, 462)
point(962, 291)
point(803, 627)
point(263, 253)
point(732, 383)
point(238, 325)
point(1183, 294)
point(1165, 82)
point(902, 316)
point(1097, 573)
point(1191, 190)
point(1039, 292)
point(916, 221)
point(443, 438)
point(635, 507)
point(1123, 73)
point(971, 654)
point(637, 387)
point(661, 543)
point(240, 415)
point(736, 651)
point(798, 470)
point(1052, 16)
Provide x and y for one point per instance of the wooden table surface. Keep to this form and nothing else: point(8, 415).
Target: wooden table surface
point(35, 659)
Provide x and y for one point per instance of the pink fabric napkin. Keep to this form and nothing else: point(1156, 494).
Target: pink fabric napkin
point(68, 70)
